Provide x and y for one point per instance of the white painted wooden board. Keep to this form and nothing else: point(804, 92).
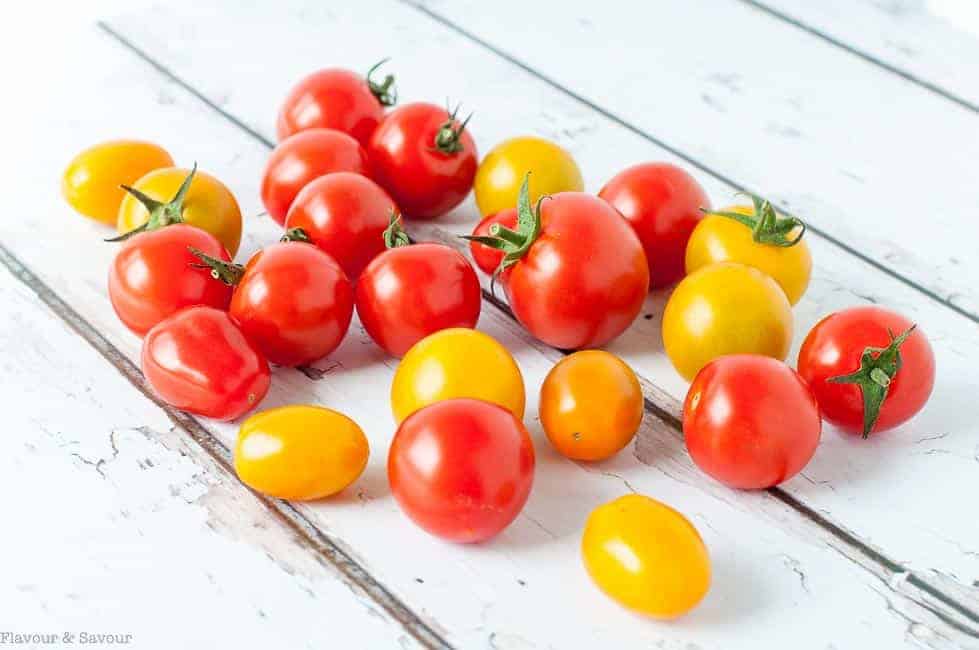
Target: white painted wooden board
point(859, 485)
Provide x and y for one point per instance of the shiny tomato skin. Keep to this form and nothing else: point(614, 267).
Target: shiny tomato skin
point(486, 258)
point(662, 203)
point(425, 182)
point(153, 276)
point(461, 469)
point(302, 157)
point(833, 348)
point(345, 214)
point(750, 421)
point(331, 99)
point(409, 292)
point(199, 361)
point(293, 302)
point(584, 279)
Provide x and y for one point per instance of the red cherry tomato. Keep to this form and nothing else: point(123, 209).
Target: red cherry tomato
point(345, 214)
point(486, 258)
point(153, 275)
point(302, 157)
point(425, 158)
point(413, 290)
point(750, 421)
point(662, 202)
point(869, 368)
point(461, 468)
point(336, 99)
point(199, 361)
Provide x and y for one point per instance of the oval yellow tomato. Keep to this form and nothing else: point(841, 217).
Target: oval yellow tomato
point(208, 205)
point(722, 239)
point(591, 405)
point(300, 452)
point(646, 556)
point(725, 308)
point(456, 362)
point(91, 181)
point(502, 171)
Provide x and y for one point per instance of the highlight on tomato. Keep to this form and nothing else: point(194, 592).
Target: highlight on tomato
point(425, 158)
point(574, 271)
point(302, 157)
point(646, 556)
point(758, 236)
point(199, 361)
point(663, 205)
point(750, 421)
point(300, 452)
point(504, 169)
point(461, 469)
point(486, 257)
point(870, 368)
point(413, 290)
point(291, 300)
point(339, 99)
point(91, 183)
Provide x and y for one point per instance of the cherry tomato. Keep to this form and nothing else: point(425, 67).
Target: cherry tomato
point(725, 308)
point(199, 361)
point(870, 368)
point(302, 157)
point(500, 174)
point(154, 275)
point(750, 421)
point(300, 452)
point(720, 238)
point(413, 290)
point(424, 158)
point(591, 405)
point(646, 556)
point(345, 214)
point(662, 203)
point(336, 99)
point(456, 362)
point(486, 258)
point(175, 195)
point(91, 182)
point(461, 469)
point(576, 274)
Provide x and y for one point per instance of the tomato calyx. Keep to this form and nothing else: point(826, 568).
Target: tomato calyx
point(161, 214)
point(295, 234)
point(767, 226)
point(227, 272)
point(878, 366)
point(448, 137)
point(394, 235)
point(385, 91)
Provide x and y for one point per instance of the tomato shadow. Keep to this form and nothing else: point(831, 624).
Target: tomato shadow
point(370, 486)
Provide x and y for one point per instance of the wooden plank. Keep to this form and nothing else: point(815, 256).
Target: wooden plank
point(854, 485)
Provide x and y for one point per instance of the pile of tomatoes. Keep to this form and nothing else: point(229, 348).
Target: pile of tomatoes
point(576, 269)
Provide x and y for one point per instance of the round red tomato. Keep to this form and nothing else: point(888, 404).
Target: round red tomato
point(488, 259)
point(750, 421)
point(425, 158)
point(199, 361)
point(413, 290)
point(153, 275)
point(345, 214)
point(461, 468)
point(302, 157)
point(336, 99)
point(870, 369)
point(662, 202)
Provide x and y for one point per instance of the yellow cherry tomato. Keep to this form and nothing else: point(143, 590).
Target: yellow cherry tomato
point(502, 171)
point(722, 239)
point(725, 308)
point(91, 181)
point(300, 452)
point(646, 556)
point(456, 362)
point(590, 405)
point(209, 204)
